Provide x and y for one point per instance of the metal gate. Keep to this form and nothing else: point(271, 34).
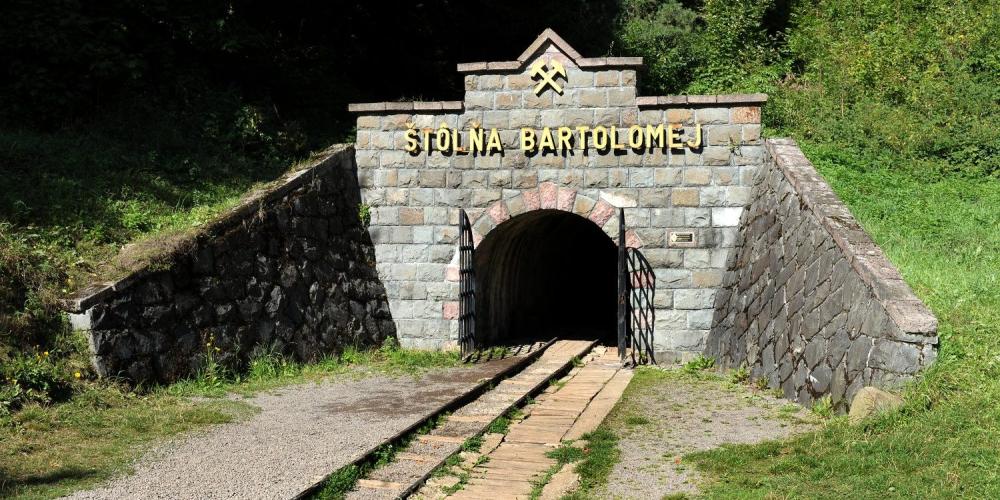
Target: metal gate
point(466, 287)
point(636, 288)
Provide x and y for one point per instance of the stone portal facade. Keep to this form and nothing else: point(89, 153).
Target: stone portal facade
point(415, 197)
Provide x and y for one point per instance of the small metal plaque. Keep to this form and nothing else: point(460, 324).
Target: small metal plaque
point(682, 238)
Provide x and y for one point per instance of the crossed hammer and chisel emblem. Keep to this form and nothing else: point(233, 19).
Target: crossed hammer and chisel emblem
point(548, 72)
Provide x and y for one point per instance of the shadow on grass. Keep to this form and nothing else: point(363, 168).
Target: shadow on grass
point(55, 478)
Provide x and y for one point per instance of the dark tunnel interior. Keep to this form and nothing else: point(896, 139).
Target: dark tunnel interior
point(546, 274)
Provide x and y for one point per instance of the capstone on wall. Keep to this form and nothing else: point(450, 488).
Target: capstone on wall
point(415, 198)
point(809, 302)
point(289, 272)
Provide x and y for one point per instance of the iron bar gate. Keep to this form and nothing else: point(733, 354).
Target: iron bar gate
point(466, 287)
point(636, 289)
point(622, 288)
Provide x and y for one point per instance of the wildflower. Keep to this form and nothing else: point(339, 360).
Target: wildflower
point(46, 353)
point(76, 374)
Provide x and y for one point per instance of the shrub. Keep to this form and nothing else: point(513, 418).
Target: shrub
point(739, 376)
point(919, 79)
point(663, 33)
point(31, 378)
point(30, 264)
point(739, 46)
point(271, 365)
point(699, 363)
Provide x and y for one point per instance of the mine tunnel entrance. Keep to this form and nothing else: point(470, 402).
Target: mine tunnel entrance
point(545, 274)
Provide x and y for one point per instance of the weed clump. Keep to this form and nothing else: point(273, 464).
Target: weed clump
point(699, 364)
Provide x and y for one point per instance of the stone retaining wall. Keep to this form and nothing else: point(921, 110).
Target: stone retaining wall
point(291, 270)
point(808, 301)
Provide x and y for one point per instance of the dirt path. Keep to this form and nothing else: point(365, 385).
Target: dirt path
point(302, 433)
point(665, 414)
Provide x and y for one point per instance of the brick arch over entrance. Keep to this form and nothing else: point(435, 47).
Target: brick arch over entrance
point(549, 195)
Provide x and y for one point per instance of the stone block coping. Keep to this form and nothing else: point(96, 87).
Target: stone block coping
point(86, 297)
point(585, 62)
point(866, 258)
point(699, 100)
point(396, 106)
point(641, 102)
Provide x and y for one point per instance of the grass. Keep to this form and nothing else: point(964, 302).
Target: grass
point(495, 352)
point(473, 443)
point(943, 233)
point(463, 479)
point(47, 451)
point(452, 465)
point(502, 423)
point(600, 454)
point(564, 455)
point(633, 420)
point(268, 370)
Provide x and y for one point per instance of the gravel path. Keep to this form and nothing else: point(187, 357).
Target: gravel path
point(666, 415)
point(301, 434)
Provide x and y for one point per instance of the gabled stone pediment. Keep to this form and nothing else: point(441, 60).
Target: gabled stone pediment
point(585, 78)
point(549, 39)
point(550, 44)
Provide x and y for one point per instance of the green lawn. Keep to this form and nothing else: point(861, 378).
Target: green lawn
point(943, 233)
point(46, 452)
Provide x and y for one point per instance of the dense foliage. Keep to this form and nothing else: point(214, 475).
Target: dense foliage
point(920, 79)
point(917, 79)
point(297, 61)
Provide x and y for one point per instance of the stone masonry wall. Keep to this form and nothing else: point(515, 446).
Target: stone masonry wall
point(416, 198)
point(809, 302)
point(290, 271)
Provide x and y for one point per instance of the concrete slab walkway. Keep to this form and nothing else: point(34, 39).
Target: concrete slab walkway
point(302, 433)
point(415, 464)
point(564, 413)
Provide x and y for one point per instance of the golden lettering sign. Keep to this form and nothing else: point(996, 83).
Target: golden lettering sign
point(480, 141)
